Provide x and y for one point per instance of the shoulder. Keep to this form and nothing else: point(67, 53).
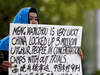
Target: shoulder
point(4, 43)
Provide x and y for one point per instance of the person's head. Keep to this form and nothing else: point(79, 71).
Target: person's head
point(33, 16)
point(27, 15)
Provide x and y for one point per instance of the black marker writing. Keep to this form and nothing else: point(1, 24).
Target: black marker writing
point(39, 49)
point(37, 40)
point(15, 70)
point(66, 41)
point(67, 67)
point(20, 50)
point(40, 67)
point(17, 59)
point(37, 31)
point(19, 31)
point(22, 68)
point(66, 50)
point(52, 31)
point(67, 32)
point(29, 68)
point(58, 59)
point(50, 49)
point(51, 41)
point(19, 40)
point(37, 59)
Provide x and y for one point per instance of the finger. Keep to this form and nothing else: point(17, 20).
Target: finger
point(79, 51)
point(5, 62)
point(82, 56)
point(10, 63)
point(10, 66)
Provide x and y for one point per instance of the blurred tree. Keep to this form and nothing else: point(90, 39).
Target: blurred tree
point(60, 12)
point(97, 73)
point(57, 12)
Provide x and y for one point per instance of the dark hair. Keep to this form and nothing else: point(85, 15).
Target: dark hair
point(33, 9)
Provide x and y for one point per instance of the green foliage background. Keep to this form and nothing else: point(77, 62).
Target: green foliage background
point(58, 12)
point(55, 12)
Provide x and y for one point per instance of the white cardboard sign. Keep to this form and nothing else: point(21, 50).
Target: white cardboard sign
point(38, 49)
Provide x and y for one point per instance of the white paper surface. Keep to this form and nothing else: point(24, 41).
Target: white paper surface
point(44, 49)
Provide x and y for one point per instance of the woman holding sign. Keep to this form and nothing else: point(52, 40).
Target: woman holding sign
point(27, 15)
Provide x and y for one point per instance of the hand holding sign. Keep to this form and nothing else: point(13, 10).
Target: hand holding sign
point(80, 53)
point(6, 65)
point(45, 50)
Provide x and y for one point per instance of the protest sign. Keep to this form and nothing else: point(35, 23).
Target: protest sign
point(45, 49)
